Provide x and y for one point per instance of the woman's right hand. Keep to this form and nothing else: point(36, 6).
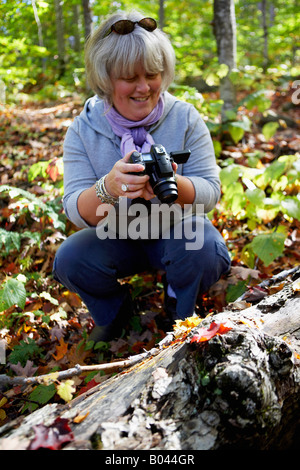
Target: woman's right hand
point(137, 186)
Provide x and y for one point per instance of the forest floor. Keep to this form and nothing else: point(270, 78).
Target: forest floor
point(51, 331)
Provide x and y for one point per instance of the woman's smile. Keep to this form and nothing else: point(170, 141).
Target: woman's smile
point(134, 97)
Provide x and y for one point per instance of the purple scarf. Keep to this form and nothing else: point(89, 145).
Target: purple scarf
point(134, 135)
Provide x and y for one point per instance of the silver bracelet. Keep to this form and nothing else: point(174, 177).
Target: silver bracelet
point(102, 193)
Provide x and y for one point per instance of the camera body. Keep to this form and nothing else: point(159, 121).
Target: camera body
point(158, 166)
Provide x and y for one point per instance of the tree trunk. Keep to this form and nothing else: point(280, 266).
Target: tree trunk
point(239, 389)
point(161, 14)
point(225, 33)
point(59, 20)
point(87, 15)
point(88, 22)
point(265, 35)
point(40, 30)
point(76, 27)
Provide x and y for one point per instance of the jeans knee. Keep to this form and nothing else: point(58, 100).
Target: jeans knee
point(181, 267)
point(64, 263)
point(206, 264)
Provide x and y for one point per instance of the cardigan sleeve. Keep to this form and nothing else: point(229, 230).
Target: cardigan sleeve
point(78, 175)
point(201, 168)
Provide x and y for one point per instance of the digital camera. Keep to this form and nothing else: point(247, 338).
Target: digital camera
point(158, 166)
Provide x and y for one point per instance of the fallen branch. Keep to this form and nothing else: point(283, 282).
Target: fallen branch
point(238, 390)
point(280, 277)
point(78, 369)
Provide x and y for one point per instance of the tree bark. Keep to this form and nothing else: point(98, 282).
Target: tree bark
point(40, 31)
point(76, 27)
point(237, 390)
point(87, 16)
point(59, 20)
point(161, 14)
point(225, 33)
point(265, 35)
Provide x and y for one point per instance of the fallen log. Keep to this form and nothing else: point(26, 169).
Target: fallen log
point(238, 389)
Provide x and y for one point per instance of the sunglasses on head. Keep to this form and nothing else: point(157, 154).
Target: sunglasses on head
point(127, 26)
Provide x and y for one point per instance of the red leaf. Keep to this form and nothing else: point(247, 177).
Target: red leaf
point(92, 383)
point(52, 437)
point(205, 334)
point(223, 329)
point(52, 171)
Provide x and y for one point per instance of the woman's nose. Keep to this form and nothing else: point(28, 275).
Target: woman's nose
point(143, 85)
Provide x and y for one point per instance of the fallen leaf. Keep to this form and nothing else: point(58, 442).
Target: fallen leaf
point(92, 383)
point(66, 389)
point(243, 273)
point(78, 419)
point(52, 437)
point(57, 333)
point(28, 371)
point(49, 378)
point(3, 401)
point(205, 334)
point(72, 299)
point(185, 326)
point(61, 350)
point(254, 294)
point(78, 354)
point(52, 171)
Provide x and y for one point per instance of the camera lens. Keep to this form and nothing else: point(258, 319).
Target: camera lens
point(166, 190)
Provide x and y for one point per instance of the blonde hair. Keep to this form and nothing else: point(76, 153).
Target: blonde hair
point(117, 55)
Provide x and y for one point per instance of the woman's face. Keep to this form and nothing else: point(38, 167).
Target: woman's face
point(135, 96)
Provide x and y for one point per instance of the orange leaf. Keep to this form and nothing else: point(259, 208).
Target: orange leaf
point(72, 299)
point(78, 419)
point(52, 171)
point(223, 329)
point(205, 334)
point(61, 350)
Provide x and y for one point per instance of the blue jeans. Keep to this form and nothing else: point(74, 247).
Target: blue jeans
point(91, 267)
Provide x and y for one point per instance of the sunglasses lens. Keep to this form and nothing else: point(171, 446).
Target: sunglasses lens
point(127, 26)
point(148, 23)
point(123, 27)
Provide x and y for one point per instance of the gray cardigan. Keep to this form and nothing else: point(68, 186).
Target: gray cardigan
point(91, 149)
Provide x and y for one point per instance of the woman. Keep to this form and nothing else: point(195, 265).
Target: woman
point(130, 65)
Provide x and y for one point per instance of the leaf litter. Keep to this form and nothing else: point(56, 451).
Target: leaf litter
point(47, 331)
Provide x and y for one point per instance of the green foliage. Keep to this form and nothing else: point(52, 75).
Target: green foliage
point(12, 240)
point(234, 291)
point(34, 206)
point(41, 395)
point(257, 196)
point(38, 169)
point(269, 246)
point(29, 61)
point(258, 99)
point(24, 351)
point(237, 129)
point(12, 293)
point(269, 129)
